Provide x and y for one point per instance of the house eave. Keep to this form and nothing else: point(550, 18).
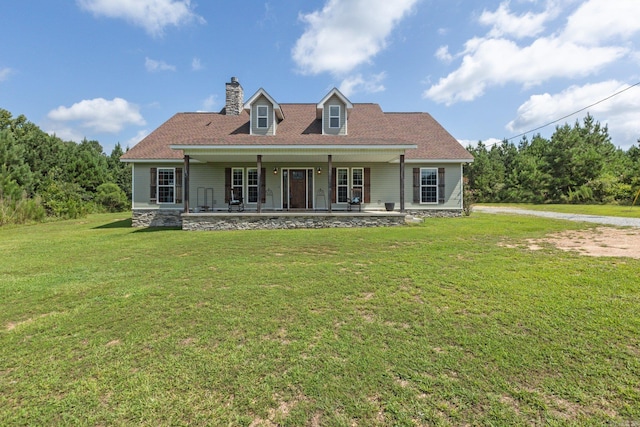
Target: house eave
point(295, 153)
point(263, 148)
point(152, 160)
point(444, 161)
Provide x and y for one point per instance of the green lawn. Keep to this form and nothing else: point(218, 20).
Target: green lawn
point(437, 324)
point(602, 210)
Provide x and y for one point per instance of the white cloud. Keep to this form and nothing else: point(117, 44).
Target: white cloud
point(443, 54)
point(209, 103)
point(152, 15)
point(196, 65)
point(491, 62)
point(153, 65)
point(345, 34)
point(506, 23)
point(599, 21)
point(139, 136)
point(358, 83)
point(621, 112)
point(65, 133)
point(496, 60)
point(4, 73)
point(98, 115)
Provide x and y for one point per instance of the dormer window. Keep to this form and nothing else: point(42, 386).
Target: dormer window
point(334, 116)
point(263, 116)
point(333, 111)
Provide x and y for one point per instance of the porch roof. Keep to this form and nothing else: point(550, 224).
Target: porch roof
point(295, 153)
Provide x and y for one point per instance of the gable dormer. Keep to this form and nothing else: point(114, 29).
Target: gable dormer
point(264, 113)
point(333, 110)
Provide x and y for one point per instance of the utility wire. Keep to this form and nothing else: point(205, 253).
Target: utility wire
point(575, 112)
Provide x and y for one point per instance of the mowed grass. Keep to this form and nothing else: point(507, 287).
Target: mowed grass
point(600, 210)
point(436, 324)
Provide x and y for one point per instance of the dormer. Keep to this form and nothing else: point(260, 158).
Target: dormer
point(333, 110)
point(264, 112)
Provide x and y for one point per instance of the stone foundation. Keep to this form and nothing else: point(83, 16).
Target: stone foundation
point(254, 221)
point(280, 220)
point(435, 213)
point(156, 218)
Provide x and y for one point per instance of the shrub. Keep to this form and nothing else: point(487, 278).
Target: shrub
point(21, 211)
point(111, 197)
point(65, 200)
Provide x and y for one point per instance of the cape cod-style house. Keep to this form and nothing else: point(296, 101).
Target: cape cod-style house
point(260, 163)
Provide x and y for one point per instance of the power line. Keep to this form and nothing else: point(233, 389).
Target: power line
point(575, 112)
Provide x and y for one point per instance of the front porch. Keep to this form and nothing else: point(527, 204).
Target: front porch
point(272, 220)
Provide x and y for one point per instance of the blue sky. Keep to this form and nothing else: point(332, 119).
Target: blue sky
point(114, 70)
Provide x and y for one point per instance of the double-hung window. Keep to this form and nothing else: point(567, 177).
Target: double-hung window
point(357, 182)
point(263, 116)
point(428, 185)
point(342, 185)
point(252, 185)
point(166, 185)
point(349, 184)
point(237, 182)
point(334, 116)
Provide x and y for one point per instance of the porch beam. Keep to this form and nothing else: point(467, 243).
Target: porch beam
point(330, 179)
point(186, 184)
point(260, 178)
point(401, 182)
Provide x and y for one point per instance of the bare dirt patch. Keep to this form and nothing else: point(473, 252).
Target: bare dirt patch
point(598, 242)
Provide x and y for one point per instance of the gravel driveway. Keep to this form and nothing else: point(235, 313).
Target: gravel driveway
point(608, 220)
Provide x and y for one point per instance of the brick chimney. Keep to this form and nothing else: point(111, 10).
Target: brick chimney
point(234, 98)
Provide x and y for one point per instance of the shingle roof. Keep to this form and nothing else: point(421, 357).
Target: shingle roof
point(367, 125)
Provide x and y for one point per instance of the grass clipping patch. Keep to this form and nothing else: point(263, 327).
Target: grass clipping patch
point(598, 242)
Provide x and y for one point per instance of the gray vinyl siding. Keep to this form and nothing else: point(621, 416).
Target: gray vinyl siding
point(271, 125)
point(452, 187)
point(209, 179)
point(141, 182)
point(342, 130)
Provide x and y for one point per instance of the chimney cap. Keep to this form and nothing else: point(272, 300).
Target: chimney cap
point(234, 80)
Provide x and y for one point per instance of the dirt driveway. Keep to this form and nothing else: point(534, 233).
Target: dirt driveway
point(600, 242)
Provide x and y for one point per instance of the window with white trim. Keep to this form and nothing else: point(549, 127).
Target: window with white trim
point(357, 182)
point(263, 116)
point(342, 185)
point(252, 185)
point(428, 185)
point(237, 182)
point(166, 185)
point(334, 116)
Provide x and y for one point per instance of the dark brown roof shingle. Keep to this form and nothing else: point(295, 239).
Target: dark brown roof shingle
point(367, 125)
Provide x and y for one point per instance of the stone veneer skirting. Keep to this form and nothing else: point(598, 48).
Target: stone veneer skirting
point(278, 220)
point(289, 220)
point(156, 218)
point(435, 213)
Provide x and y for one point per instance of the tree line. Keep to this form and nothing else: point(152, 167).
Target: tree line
point(578, 164)
point(42, 176)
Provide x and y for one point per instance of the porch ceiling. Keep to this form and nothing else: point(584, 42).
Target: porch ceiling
point(291, 155)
